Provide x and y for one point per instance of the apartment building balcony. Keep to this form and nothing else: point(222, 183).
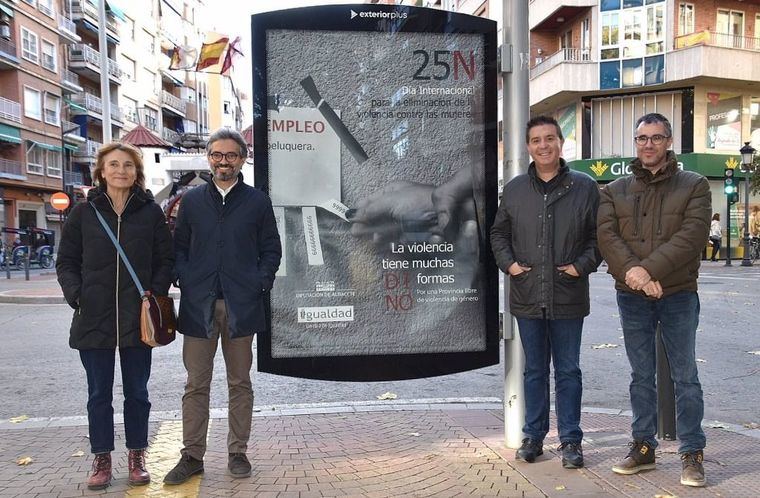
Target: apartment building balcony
point(117, 116)
point(71, 132)
point(10, 110)
point(172, 103)
point(170, 136)
point(87, 104)
point(714, 55)
point(86, 13)
point(92, 106)
point(68, 29)
point(12, 170)
point(551, 14)
point(70, 82)
point(73, 178)
point(191, 111)
point(568, 70)
point(87, 151)
point(8, 54)
point(85, 61)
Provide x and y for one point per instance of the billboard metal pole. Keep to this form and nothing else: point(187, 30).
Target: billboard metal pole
point(515, 56)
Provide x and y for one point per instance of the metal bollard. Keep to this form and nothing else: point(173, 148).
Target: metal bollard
point(26, 265)
point(7, 264)
point(666, 397)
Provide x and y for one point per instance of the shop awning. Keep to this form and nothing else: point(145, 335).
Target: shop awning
point(6, 10)
point(56, 148)
point(116, 11)
point(10, 134)
point(72, 148)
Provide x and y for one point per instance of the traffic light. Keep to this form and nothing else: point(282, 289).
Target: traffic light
point(729, 184)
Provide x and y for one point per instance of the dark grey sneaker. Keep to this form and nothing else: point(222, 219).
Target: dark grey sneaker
point(184, 470)
point(572, 455)
point(238, 465)
point(640, 457)
point(529, 450)
point(693, 472)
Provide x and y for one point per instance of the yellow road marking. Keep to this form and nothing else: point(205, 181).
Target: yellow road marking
point(163, 454)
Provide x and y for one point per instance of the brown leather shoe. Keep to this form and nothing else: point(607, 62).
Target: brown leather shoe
point(693, 472)
point(138, 476)
point(101, 472)
point(640, 457)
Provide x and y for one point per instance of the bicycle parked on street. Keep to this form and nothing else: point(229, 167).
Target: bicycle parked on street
point(754, 249)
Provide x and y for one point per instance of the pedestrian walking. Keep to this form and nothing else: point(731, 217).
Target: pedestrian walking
point(227, 253)
point(106, 302)
point(544, 237)
point(652, 228)
point(716, 234)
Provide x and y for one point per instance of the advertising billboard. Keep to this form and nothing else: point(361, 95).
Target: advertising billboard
point(375, 137)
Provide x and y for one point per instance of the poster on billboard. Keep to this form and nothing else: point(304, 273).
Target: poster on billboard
point(375, 137)
point(724, 125)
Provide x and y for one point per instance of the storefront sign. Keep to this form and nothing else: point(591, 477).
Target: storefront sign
point(375, 137)
point(709, 165)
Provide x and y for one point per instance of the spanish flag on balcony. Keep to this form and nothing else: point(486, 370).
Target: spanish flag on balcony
point(212, 51)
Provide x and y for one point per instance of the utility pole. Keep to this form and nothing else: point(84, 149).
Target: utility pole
point(105, 89)
point(515, 57)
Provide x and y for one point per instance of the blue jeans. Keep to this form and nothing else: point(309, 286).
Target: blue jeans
point(678, 315)
point(135, 372)
point(560, 342)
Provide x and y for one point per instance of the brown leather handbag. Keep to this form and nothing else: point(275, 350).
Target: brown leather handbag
point(158, 322)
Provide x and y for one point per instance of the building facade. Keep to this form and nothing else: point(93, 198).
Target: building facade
point(597, 65)
point(34, 84)
point(52, 107)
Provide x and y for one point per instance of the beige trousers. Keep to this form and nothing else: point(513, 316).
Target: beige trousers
point(198, 356)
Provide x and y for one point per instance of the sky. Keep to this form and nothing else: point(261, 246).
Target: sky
point(233, 18)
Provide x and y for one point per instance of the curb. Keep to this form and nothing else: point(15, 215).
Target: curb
point(11, 297)
point(20, 299)
point(349, 407)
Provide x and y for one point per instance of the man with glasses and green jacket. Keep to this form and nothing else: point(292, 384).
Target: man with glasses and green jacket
point(652, 226)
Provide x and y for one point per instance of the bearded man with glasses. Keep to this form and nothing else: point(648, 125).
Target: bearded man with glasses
point(227, 251)
point(651, 228)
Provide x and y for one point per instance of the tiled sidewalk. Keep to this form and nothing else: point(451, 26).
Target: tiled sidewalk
point(375, 450)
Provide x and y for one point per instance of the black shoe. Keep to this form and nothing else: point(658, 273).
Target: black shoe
point(572, 455)
point(184, 470)
point(238, 465)
point(530, 449)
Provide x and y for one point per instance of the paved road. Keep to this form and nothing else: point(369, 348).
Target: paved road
point(42, 377)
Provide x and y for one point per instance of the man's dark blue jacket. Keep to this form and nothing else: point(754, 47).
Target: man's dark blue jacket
point(232, 246)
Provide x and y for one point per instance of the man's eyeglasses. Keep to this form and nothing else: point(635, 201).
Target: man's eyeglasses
point(229, 156)
point(656, 139)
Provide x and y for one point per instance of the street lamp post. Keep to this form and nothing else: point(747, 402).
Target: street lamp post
point(748, 153)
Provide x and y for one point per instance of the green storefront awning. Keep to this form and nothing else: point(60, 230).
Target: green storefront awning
point(56, 148)
point(6, 10)
point(611, 168)
point(10, 134)
point(70, 147)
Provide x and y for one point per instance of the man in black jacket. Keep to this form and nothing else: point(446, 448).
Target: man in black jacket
point(227, 253)
point(544, 237)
